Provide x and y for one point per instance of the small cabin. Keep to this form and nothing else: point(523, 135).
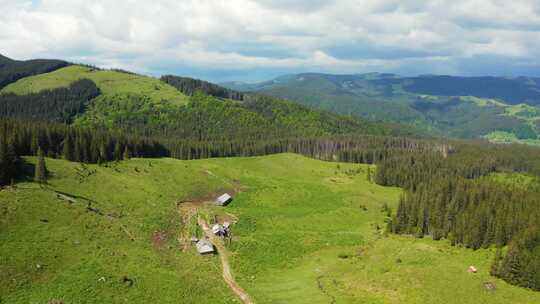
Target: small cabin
point(205, 247)
point(223, 200)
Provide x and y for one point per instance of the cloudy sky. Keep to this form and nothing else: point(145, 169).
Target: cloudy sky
point(252, 40)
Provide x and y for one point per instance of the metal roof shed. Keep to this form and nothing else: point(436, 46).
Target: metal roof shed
point(205, 247)
point(224, 200)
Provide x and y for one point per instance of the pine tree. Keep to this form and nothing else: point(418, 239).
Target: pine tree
point(67, 152)
point(117, 151)
point(368, 174)
point(126, 154)
point(40, 175)
point(4, 175)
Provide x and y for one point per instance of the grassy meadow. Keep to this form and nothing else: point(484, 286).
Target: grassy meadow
point(308, 232)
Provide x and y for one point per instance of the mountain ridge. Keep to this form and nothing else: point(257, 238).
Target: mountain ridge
point(454, 106)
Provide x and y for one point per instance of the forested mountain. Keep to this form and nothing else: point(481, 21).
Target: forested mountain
point(173, 107)
point(497, 108)
point(56, 105)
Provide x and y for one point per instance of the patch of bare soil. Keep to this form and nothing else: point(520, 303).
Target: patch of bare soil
point(159, 239)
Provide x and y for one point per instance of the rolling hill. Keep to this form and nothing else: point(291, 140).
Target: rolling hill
point(462, 107)
point(306, 231)
point(152, 107)
point(110, 82)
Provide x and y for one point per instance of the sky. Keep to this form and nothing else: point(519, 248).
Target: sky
point(255, 40)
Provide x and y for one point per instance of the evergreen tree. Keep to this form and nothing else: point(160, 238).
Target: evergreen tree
point(126, 154)
point(40, 174)
point(117, 154)
point(67, 151)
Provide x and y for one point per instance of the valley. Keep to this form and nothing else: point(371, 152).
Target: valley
point(308, 231)
point(269, 152)
point(107, 177)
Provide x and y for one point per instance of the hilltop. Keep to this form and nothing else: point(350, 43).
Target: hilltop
point(119, 100)
point(500, 109)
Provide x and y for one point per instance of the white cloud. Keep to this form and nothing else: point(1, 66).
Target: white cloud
point(235, 35)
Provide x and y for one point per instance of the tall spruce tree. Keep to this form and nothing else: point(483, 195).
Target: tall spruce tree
point(40, 174)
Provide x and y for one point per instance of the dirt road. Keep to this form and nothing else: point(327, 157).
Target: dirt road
point(227, 274)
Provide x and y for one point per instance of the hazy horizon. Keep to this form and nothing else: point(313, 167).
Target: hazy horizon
point(257, 40)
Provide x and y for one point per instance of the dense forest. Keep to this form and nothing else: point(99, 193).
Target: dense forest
point(92, 145)
point(209, 118)
point(189, 86)
point(58, 105)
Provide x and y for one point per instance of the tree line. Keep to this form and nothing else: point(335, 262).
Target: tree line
point(455, 199)
point(89, 145)
point(190, 86)
point(57, 105)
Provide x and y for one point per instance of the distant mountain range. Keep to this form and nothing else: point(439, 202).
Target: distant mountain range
point(498, 108)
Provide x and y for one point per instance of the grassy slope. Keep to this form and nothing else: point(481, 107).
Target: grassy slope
point(297, 216)
point(109, 82)
point(77, 247)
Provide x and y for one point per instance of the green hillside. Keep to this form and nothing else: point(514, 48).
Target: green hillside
point(308, 232)
point(147, 106)
point(109, 82)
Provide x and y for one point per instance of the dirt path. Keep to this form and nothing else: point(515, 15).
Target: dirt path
point(186, 214)
point(227, 274)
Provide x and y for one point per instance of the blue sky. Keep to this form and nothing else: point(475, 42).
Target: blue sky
point(254, 40)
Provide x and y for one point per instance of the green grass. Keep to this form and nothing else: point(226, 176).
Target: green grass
point(307, 233)
point(109, 82)
point(502, 137)
point(483, 102)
